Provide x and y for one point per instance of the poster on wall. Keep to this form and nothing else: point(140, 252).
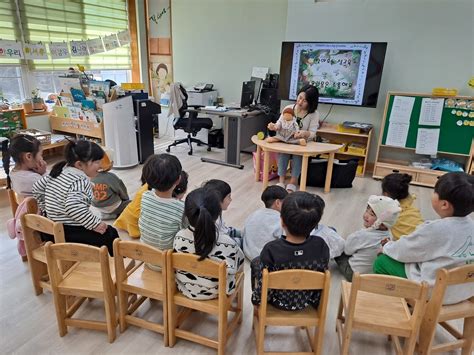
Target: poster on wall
point(11, 49)
point(35, 51)
point(338, 70)
point(159, 27)
point(58, 50)
point(161, 77)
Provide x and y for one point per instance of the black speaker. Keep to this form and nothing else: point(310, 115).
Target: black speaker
point(271, 81)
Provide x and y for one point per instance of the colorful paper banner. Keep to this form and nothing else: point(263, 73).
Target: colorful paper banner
point(111, 42)
point(11, 49)
point(58, 50)
point(79, 49)
point(35, 51)
point(95, 46)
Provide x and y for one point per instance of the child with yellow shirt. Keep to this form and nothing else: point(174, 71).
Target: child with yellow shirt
point(396, 186)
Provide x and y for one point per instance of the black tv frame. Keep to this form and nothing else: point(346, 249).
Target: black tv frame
point(372, 83)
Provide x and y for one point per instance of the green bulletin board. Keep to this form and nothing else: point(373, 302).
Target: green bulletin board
point(456, 127)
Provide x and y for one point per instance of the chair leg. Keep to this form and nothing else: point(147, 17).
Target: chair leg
point(240, 305)
point(318, 340)
point(61, 310)
point(172, 323)
point(222, 333)
point(111, 318)
point(190, 143)
point(260, 334)
point(468, 334)
point(123, 308)
point(37, 270)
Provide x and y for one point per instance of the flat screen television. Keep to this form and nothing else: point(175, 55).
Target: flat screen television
point(345, 73)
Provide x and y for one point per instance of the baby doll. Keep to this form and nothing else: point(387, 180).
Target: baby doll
point(285, 127)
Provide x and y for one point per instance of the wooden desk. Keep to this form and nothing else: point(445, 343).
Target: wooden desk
point(239, 126)
point(311, 149)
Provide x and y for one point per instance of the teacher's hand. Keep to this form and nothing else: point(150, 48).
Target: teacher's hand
point(272, 126)
point(301, 134)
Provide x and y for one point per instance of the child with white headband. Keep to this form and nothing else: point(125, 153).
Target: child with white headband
point(360, 248)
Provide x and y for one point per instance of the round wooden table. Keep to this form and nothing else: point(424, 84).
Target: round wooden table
point(311, 149)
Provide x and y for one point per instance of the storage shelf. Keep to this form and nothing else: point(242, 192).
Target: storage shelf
point(346, 138)
point(333, 131)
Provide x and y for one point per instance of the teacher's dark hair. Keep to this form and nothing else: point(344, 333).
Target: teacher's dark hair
point(312, 96)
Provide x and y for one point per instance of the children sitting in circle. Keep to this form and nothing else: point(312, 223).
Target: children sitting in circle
point(443, 243)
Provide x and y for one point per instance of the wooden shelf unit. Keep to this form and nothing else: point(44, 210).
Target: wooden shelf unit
point(77, 127)
point(333, 135)
point(385, 163)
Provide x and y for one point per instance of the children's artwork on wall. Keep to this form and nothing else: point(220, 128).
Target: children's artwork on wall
point(161, 77)
point(79, 49)
point(123, 37)
point(111, 42)
point(95, 46)
point(35, 51)
point(159, 27)
point(11, 49)
point(58, 50)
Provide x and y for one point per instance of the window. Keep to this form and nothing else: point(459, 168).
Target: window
point(11, 84)
point(65, 20)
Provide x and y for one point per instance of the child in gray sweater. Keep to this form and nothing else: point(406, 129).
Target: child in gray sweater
point(443, 243)
point(263, 225)
point(110, 193)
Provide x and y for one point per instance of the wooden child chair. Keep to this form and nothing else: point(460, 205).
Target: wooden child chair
point(140, 280)
point(89, 277)
point(13, 201)
point(377, 303)
point(32, 224)
point(219, 306)
point(436, 313)
point(267, 315)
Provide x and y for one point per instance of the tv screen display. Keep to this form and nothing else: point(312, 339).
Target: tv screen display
point(345, 73)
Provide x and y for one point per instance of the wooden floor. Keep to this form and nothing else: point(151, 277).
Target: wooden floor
point(28, 323)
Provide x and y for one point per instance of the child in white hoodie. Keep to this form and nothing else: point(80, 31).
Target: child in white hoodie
point(360, 248)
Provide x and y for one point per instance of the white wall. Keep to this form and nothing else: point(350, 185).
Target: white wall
point(430, 43)
point(219, 41)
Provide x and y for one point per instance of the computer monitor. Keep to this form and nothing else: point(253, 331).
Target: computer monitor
point(248, 92)
point(258, 86)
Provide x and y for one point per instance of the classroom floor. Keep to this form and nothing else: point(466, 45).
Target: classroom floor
point(28, 322)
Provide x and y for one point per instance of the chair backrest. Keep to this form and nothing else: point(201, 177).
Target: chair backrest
point(297, 279)
point(444, 278)
point(33, 224)
point(136, 251)
point(57, 253)
point(191, 263)
point(13, 201)
point(390, 286)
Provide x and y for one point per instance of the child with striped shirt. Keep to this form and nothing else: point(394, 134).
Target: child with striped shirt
point(161, 215)
point(66, 195)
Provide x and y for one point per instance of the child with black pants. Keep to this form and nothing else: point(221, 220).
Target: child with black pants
point(67, 196)
point(300, 214)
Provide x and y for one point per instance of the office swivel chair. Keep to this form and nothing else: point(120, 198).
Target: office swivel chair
point(189, 123)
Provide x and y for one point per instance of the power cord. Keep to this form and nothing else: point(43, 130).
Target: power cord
point(327, 114)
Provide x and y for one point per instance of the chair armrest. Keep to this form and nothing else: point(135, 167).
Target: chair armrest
point(196, 106)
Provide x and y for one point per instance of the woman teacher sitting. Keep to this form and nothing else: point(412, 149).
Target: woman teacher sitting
point(307, 118)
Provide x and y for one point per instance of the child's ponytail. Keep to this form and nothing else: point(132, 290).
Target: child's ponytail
point(6, 161)
point(202, 208)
